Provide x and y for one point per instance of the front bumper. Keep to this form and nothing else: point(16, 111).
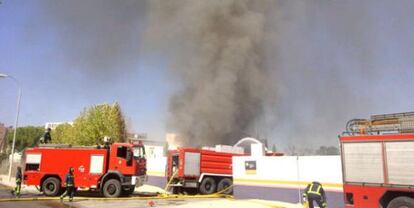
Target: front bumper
point(134, 181)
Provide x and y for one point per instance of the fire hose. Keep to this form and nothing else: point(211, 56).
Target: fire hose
point(217, 194)
point(165, 195)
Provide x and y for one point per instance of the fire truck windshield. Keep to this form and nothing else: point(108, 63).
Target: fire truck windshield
point(139, 152)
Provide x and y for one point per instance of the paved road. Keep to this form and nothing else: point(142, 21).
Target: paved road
point(94, 201)
point(5, 193)
point(88, 203)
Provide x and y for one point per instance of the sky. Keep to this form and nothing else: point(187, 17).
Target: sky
point(330, 61)
point(58, 83)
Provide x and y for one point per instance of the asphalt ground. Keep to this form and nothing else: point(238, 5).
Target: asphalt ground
point(31, 198)
point(84, 199)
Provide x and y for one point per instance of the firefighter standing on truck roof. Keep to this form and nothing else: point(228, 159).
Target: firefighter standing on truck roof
point(70, 185)
point(16, 190)
point(46, 138)
point(315, 192)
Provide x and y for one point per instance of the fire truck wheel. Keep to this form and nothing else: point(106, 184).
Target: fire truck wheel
point(51, 186)
point(190, 191)
point(401, 202)
point(177, 190)
point(208, 185)
point(129, 191)
point(112, 188)
point(224, 184)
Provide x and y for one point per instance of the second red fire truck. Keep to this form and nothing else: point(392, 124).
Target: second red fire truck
point(378, 161)
point(202, 171)
point(113, 170)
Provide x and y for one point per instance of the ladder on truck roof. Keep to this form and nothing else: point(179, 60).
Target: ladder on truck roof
point(396, 123)
point(63, 146)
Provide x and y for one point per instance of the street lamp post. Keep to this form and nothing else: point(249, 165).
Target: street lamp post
point(16, 121)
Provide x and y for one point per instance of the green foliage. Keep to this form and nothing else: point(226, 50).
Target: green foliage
point(27, 136)
point(63, 133)
point(92, 125)
point(274, 149)
point(331, 150)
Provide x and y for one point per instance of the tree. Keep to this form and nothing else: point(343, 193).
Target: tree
point(99, 121)
point(274, 148)
point(92, 125)
point(27, 136)
point(64, 133)
point(324, 150)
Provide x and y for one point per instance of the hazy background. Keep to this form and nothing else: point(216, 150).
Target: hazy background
point(291, 71)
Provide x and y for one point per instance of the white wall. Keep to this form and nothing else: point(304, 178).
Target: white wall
point(153, 151)
point(290, 171)
point(156, 166)
point(278, 171)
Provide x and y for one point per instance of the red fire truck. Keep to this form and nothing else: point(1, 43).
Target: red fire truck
point(113, 170)
point(198, 170)
point(378, 161)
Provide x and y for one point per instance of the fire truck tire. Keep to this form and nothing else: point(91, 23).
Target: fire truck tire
point(401, 202)
point(51, 186)
point(112, 188)
point(190, 191)
point(208, 186)
point(177, 190)
point(224, 184)
point(129, 191)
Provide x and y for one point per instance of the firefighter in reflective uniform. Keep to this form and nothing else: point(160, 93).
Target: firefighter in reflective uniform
point(315, 192)
point(70, 185)
point(16, 190)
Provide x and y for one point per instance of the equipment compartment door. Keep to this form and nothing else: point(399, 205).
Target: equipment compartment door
point(400, 160)
point(363, 162)
point(97, 162)
point(192, 164)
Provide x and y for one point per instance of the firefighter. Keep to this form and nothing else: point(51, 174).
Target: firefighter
point(46, 138)
point(70, 185)
point(16, 190)
point(315, 192)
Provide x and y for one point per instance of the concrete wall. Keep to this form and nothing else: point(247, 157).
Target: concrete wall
point(156, 171)
point(284, 178)
point(275, 178)
point(154, 151)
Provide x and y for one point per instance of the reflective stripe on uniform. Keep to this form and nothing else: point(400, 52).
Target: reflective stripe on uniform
point(69, 180)
point(317, 192)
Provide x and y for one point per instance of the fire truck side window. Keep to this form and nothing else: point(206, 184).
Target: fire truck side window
point(175, 160)
point(139, 152)
point(32, 167)
point(122, 152)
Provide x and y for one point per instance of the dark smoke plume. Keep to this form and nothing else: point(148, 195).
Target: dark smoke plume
point(328, 61)
point(217, 54)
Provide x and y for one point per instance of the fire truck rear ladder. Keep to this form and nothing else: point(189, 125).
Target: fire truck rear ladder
point(382, 124)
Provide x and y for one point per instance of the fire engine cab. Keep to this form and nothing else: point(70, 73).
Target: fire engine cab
point(113, 170)
point(378, 161)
